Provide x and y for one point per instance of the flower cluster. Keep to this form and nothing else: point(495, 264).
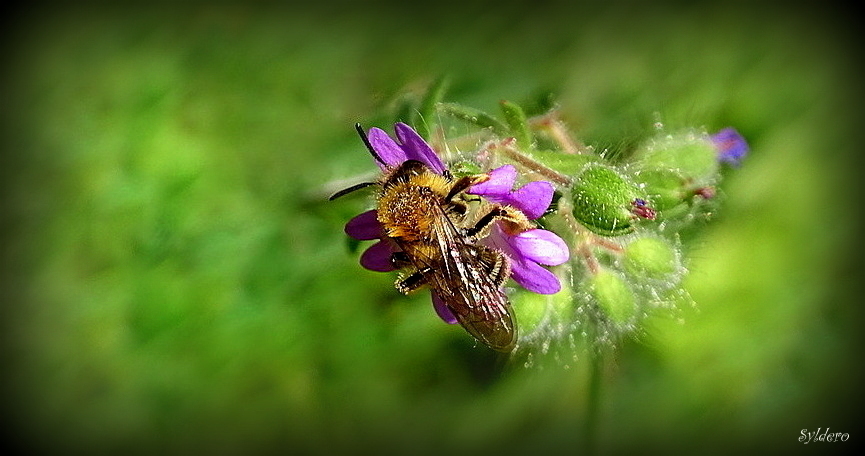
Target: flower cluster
point(527, 250)
point(623, 217)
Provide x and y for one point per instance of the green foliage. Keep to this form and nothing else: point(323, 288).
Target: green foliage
point(475, 116)
point(517, 123)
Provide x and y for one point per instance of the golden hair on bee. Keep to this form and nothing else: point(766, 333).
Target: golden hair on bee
point(407, 203)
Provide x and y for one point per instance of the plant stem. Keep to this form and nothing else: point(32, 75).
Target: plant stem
point(596, 367)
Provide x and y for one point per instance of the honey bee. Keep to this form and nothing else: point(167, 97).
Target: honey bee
point(427, 217)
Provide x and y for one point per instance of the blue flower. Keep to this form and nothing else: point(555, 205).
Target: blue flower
point(731, 146)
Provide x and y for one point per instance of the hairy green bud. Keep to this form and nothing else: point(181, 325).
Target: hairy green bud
point(665, 188)
point(604, 199)
point(692, 155)
point(650, 256)
point(613, 296)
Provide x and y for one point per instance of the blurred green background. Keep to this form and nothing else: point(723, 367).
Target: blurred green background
point(174, 282)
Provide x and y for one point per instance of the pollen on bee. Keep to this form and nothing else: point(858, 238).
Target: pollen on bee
point(405, 209)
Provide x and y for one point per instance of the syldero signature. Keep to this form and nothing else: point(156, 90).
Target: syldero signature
point(816, 436)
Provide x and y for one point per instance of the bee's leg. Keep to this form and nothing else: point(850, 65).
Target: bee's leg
point(484, 221)
point(496, 264)
point(458, 208)
point(413, 281)
point(399, 260)
point(515, 221)
point(463, 183)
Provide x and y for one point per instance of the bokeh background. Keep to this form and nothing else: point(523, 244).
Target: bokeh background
point(174, 282)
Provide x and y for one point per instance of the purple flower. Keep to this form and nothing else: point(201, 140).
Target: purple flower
point(527, 250)
point(442, 310)
point(531, 199)
point(366, 227)
point(411, 147)
point(731, 146)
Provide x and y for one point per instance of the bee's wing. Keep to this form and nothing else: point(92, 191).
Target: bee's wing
point(468, 289)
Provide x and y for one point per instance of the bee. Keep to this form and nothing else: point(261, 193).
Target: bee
point(427, 217)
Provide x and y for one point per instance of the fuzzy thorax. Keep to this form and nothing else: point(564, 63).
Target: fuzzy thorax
point(407, 210)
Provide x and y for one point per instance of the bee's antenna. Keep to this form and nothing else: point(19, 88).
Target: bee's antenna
point(351, 189)
point(366, 143)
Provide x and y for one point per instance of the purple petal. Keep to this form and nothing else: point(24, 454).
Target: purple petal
point(364, 227)
point(500, 183)
point(377, 257)
point(731, 146)
point(534, 277)
point(386, 148)
point(533, 199)
point(417, 149)
point(499, 240)
point(540, 246)
point(524, 270)
point(442, 309)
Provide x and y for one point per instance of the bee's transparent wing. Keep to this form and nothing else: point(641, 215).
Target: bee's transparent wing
point(472, 294)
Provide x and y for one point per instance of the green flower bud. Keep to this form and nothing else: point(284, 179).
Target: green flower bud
point(665, 188)
point(650, 256)
point(613, 296)
point(604, 200)
point(534, 311)
point(530, 310)
point(692, 155)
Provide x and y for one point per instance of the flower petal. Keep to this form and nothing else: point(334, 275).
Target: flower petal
point(364, 227)
point(731, 146)
point(442, 309)
point(533, 199)
point(377, 257)
point(541, 246)
point(499, 240)
point(386, 148)
point(534, 277)
point(417, 149)
point(500, 183)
